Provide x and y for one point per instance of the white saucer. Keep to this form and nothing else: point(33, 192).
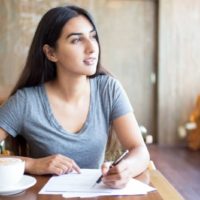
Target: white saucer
point(25, 183)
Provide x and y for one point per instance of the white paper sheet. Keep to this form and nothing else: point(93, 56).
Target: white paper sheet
point(82, 185)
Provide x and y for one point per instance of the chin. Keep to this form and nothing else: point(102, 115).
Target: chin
point(91, 72)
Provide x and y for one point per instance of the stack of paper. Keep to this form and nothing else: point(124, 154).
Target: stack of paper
point(82, 185)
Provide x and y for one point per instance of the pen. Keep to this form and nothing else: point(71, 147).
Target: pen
point(114, 164)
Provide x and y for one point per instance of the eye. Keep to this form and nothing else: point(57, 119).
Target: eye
point(76, 40)
point(94, 36)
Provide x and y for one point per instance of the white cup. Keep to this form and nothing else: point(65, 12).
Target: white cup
point(11, 171)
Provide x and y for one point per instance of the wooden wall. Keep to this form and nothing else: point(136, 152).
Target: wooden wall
point(178, 65)
point(177, 58)
point(127, 34)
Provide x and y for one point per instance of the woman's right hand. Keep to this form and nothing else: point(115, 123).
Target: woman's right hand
point(55, 164)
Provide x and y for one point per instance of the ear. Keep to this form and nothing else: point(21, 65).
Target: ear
point(49, 52)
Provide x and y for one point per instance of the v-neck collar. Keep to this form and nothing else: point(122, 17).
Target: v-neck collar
point(54, 121)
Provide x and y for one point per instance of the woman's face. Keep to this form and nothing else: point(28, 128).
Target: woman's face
point(77, 49)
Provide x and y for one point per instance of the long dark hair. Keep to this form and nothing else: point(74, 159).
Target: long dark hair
point(38, 69)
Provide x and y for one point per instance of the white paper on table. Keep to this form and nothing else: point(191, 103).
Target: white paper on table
point(82, 185)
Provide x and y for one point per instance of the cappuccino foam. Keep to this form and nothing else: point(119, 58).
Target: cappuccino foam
point(9, 161)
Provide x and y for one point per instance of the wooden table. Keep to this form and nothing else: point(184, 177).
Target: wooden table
point(165, 191)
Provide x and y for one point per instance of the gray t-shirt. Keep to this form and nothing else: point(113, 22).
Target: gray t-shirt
point(28, 113)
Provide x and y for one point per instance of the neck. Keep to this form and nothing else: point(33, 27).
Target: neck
point(71, 89)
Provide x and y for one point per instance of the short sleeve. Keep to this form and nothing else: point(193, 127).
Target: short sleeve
point(120, 102)
point(12, 113)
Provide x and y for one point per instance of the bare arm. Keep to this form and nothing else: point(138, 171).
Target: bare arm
point(55, 164)
point(3, 135)
point(129, 135)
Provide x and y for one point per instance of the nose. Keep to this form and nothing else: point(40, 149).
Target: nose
point(91, 46)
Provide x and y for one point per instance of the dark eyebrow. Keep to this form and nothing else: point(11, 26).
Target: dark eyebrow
point(72, 34)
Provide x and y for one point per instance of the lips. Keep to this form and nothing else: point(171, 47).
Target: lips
point(90, 61)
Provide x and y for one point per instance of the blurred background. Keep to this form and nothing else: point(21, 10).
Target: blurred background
point(151, 46)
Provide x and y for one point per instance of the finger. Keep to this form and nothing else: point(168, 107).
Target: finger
point(115, 181)
point(116, 185)
point(105, 168)
point(70, 170)
point(111, 178)
point(74, 166)
point(63, 168)
point(119, 168)
point(60, 168)
point(57, 171)
point(123, 175)
point(71, 164)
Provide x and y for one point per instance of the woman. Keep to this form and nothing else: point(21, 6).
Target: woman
point(64, 103)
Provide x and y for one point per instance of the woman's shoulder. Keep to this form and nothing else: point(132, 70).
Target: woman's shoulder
point(28, 92)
